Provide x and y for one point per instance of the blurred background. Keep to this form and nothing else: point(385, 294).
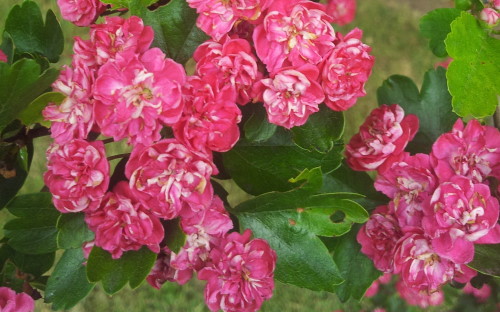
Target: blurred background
point(391, 28)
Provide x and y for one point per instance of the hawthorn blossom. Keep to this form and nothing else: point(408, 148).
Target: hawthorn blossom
point(12, 302)
point(135, 96)
point(167, 175)
point(490, 16)
point(342, 11)
point(346, 70)
point(374, 287)
point(122, 223)
point(293, 35)
point(381, 139)
point(460, 213)
point(81, 12)
point(3, 57)
point(240, 274)
point(421, 298)
point(482, 294)
point(77, 175)
point(291, 95)
point(162, 271)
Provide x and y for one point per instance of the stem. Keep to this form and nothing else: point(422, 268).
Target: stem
point(106, 141)
point(496, 117)
point(118, 156)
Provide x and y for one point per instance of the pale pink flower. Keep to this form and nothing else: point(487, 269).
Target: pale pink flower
point(421, 298)
point(162, 271)
point(472, 151)
point(133, 95)
point(342, 11)
point(3, 57)
point(81, 12)
point(232, 62)
point(210, 118)
point(346, 70)
point(490, 16)
point(460, 213)
point(12, 302)
point(294, 35)
point(381, 139)
point(378, 238)
point(73, 118)
point(240, 275)
point(77, 175)
point(167, 175)
point(122, 223)
point(410, 183)
point(482, 294)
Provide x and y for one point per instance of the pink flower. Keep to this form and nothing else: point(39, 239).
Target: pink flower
point(496, 4)
point(12, 302)
point(232, 62)
point(445, 63)
point(77, 175)
point(291, 95)
point(378, 238)
point(346, 70)
point(3, 57)
point(473, 152)
point(490, 16)
point(167, 175)
point(240, 275)
point(73, 118)
point(210, 118)
point(216, 18)
point(133, 95)
point(482, 294)
point(81, 12)
point(294, 35)
point(421, 298)
point(381, 139)
point(122, 223)
point(410, 183)
point(163, 271)
point(460, 213)
point(342, 11)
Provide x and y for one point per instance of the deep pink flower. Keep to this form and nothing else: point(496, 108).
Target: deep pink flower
point(346, 70)
point(490, 16)
point(133, 95)
point(294, 35)
point(410, 183)
point(342, 11)
point(378, 237)
point(472, 151)
point(3, 57)
point(291, 95)
point(163, 271)
point(240, 274)
point(496, 4)
point(421, 298)
point(73, 118)
point(122, 223)
point(381, 139)
point(232, 62)
point(81, 12)
point(12, 302)
point(77, 175)
point(167, 175)
point(482, 294)
point(210, 118)
point(460, 213)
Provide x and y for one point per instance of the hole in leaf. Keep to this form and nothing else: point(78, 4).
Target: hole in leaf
point(338, 216)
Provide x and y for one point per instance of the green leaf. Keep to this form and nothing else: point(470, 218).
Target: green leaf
point(20, 84)
point(435, 26)
point(175, 238)
point(432, 105)
point(463, 5)
point(127, 3)
point(486, 259)
point(11, 277)
point(32, 264)
point(34, 232)
point(68, 284)
point(257, 127)
point(133, 267)
point(73, 231)
point(321, 130)
point(357, 269)
point(31, 35)
point(14, 171)
point(33, 113)
point(473, 74)
point(175, 28)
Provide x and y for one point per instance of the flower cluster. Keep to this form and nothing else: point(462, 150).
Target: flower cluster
point(491, 13)
point(440, 206)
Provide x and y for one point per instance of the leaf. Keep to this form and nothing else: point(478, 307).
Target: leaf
point(257, 127)
point(20, 84)
point(34, 232)
point(32, 264)
point(435, 26)
point(68, 284)
point(33, 113)
point(126, 3)
point(432, 105)
point(486, 259)
point(31, 35)
point(175, 28)
point(133, 267)
point(357, 270)
point(175, 238)
point(73, 231)
point(321, 130)
point(16, 161)
point(473, 74)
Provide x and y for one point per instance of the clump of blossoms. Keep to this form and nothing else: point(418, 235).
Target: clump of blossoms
point(440, 206)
